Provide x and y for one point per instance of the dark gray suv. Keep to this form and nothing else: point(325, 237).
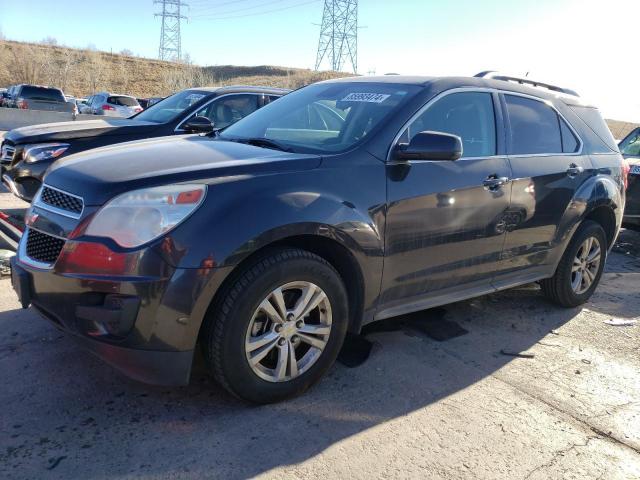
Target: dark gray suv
point(342, 203)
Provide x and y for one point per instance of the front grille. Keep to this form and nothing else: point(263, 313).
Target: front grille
point(6, 154)
point(42, 247)
point(61, 200)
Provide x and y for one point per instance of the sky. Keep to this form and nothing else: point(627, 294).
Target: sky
point(586, 45)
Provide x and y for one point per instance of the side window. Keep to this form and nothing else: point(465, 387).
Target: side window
point(229, 109)
point(535, 127)
point(630, 146)
point(270, 98)
point(469, 115)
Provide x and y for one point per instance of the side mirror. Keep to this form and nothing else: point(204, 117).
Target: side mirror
point(430, 146)
point(198, 124)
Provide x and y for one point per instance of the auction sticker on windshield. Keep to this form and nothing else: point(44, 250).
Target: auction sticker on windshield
point(366, 97)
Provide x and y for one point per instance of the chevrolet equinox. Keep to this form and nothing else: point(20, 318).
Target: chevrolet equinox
point(343, 203)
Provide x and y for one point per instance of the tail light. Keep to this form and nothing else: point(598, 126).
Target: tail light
point(108, 107)
point(137, 109)
point(626, 168)
point(21, 103)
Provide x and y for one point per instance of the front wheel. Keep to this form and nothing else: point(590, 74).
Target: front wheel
point(278, 328)
point(580, 268)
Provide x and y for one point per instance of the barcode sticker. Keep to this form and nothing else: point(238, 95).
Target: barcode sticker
point(366, 97)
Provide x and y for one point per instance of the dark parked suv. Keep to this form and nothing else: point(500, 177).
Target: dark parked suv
point(342, 203)
point(27, 152)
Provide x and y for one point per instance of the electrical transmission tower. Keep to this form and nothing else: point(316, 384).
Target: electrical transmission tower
point(339, 34)
point(170, 41)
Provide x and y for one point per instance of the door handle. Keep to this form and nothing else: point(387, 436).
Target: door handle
point(493, 182)
point(574, 170)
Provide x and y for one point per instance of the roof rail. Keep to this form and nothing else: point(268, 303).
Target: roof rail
point(525, 81)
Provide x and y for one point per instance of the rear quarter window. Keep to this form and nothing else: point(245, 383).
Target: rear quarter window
point(592, 118)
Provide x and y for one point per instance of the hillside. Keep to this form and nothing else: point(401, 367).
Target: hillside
point(82, 72)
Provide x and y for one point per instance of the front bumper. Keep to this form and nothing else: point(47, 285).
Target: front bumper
point(142, 327)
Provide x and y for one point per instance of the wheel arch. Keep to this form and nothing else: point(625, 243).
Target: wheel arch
point(329, 248)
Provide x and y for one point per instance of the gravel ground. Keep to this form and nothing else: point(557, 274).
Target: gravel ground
point(416, 409)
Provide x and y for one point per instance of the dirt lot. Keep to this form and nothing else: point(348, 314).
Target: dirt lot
point(416, 409)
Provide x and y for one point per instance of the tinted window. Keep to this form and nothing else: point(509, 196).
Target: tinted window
point(123, 101)
point(569, 140)
point(229, 109)
point(591, 116)
point(534, 127)
point(469, 115)
point(41, 93)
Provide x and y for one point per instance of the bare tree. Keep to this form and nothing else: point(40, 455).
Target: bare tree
point(50, 41)
point(122, 73)
point(93, 69)
point(66, 65)
point(27, 65)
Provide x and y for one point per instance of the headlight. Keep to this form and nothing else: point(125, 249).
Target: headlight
point(135, 218)
point(44, 151)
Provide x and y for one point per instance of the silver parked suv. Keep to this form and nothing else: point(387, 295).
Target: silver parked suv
point(112, 105)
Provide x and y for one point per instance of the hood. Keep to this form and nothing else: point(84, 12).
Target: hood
point(78, 129)
point(100, 174)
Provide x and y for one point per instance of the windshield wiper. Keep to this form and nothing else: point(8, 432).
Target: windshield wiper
point(264, 142)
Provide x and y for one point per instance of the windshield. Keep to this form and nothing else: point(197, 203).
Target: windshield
point(169, 108)
point(322, 118)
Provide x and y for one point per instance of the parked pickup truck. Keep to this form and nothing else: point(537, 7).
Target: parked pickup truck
point(35, 97)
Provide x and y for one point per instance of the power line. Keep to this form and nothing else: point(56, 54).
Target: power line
point(266, 12)
point(206, 6)
point(339, 34)
point(170, 37)
point(243, 9)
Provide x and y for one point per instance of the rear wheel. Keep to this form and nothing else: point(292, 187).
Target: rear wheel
point(580, 268)
point(278, 328)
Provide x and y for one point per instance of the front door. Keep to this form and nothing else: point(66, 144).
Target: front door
point(445, 221)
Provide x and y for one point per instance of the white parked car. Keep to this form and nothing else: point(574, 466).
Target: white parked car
point(111, 105)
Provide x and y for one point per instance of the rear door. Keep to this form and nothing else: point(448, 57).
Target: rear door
point(445, 219)
point(548, 167)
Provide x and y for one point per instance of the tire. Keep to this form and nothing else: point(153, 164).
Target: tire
point(561, 288)
point(239, 320)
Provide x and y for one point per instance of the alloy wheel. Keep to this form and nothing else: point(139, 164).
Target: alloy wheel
point(585, 265)
point(288, 331)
